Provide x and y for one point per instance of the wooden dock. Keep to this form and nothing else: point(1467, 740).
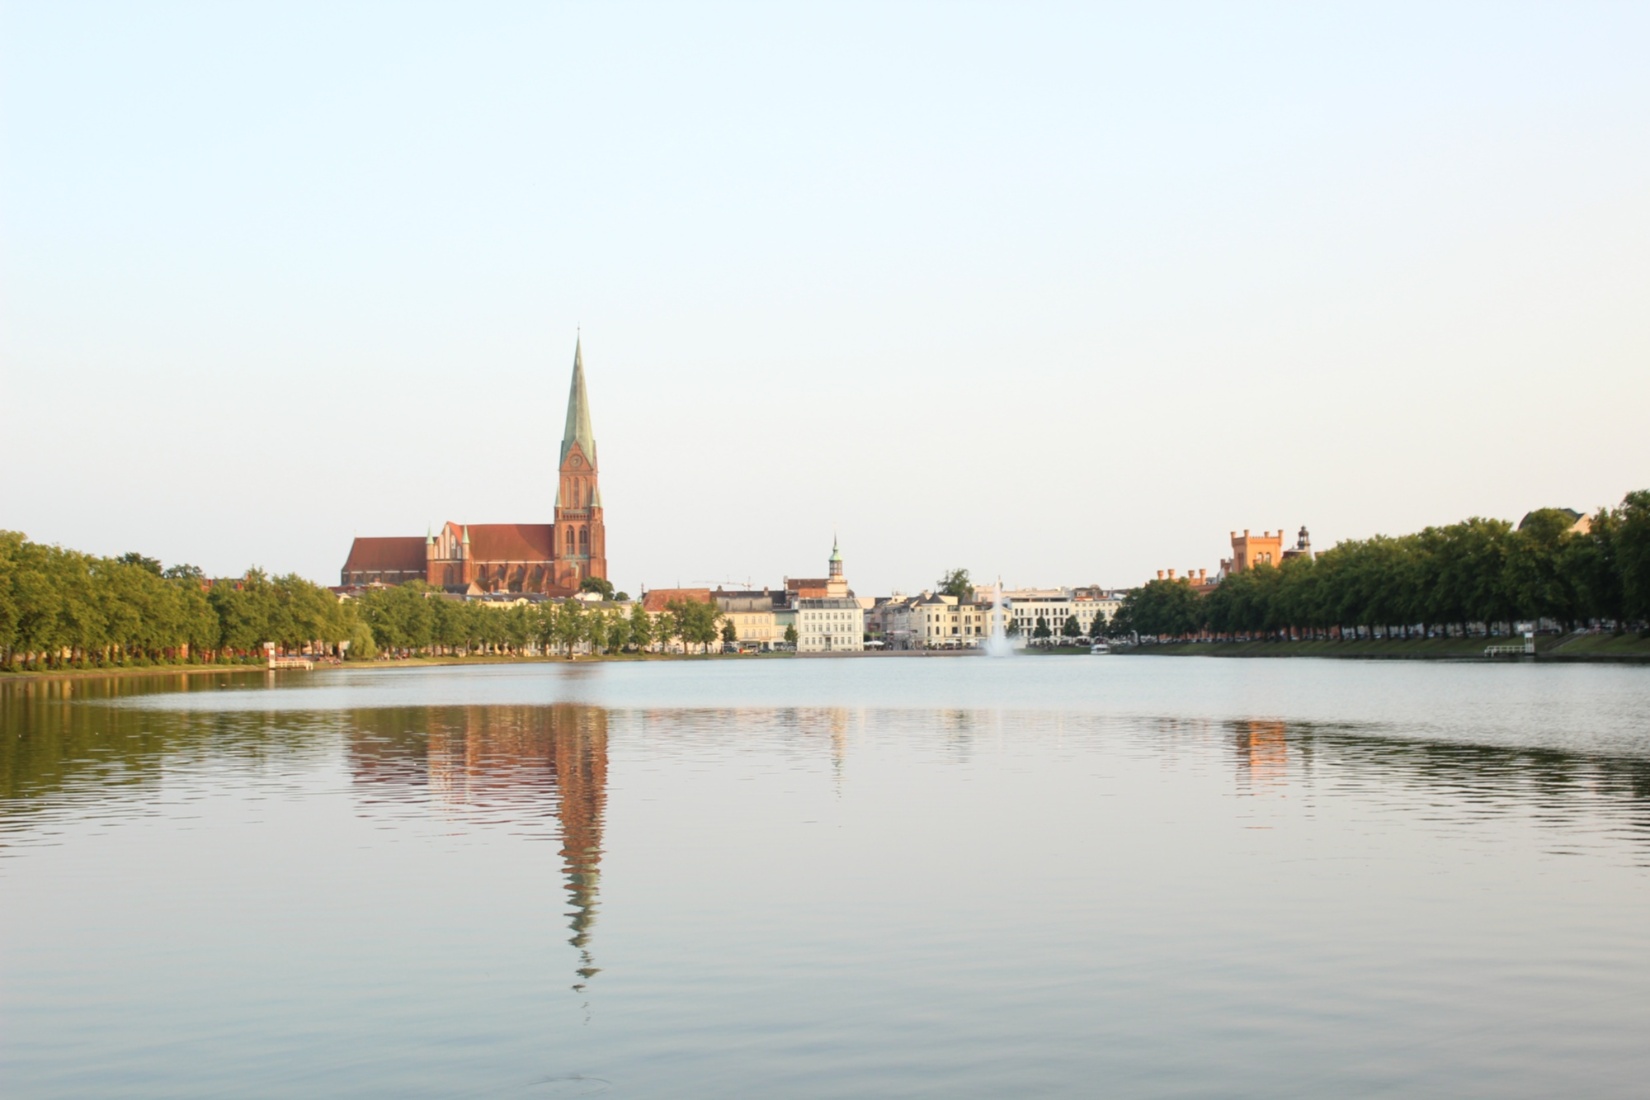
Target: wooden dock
point(304, 663)
point(1526, 648)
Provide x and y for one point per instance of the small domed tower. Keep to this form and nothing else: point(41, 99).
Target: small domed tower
point(835, 585)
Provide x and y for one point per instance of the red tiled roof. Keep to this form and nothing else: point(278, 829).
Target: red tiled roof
point(655, 601)
point(796, 584)
point(386, 555)
point(530, 542)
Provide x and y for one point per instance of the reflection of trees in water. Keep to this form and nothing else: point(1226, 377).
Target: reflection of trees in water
point(62, 745)
point(543, 770)
point(1476, 778)
point(518, 766)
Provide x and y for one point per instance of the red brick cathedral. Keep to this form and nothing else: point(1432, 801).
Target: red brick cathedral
point(549, 558)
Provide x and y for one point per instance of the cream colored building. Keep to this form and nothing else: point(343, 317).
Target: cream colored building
point(1096, 609)
point(756, 621)
point(933, 621)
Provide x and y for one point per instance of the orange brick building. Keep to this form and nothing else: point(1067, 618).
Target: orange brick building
point(552, 559)
point(1248, 551)
point(1265, 548)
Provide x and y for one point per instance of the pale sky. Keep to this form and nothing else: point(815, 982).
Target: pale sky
point(1061, 293)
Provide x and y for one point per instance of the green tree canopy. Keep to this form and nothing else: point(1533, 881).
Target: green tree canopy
point(956, 583)
point(642, 633)
point(599, 585)
point(147, 564)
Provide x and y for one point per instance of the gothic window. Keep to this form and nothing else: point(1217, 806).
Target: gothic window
point(570, 540)
point(584, 540)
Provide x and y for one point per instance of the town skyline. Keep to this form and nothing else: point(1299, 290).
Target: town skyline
point(1185, 562)
point(1060, 295)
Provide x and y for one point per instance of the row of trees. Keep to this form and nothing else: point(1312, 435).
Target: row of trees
point(61, 607)
point(1041, 631)
point(1463, 578)
point(410, 619)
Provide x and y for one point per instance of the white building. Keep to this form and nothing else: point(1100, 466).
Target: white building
point(828, 618)
point(830, 625)
point(1055, 605)
point(1027, 605)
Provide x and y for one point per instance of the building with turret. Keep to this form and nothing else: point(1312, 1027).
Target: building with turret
point(828, 618)
point(551, 559)
point(832, 587)
point(1265, 548)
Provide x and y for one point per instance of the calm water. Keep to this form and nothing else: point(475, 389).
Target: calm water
point(1033, 877)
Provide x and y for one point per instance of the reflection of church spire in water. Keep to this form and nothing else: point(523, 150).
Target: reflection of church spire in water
point(578, 762)
point(513, 765)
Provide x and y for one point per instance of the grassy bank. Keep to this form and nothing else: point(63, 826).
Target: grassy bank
point(1587, 647)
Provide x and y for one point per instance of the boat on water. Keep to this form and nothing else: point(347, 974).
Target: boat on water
point(1099, 647)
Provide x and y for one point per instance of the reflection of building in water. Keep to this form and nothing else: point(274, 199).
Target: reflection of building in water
point(1263, 751)
point(518, 764)
point(579, 763)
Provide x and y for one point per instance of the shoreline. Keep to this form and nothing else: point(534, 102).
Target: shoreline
point(118, 673)
point(149, 671)
point(1573, 649)
point(1567, 649)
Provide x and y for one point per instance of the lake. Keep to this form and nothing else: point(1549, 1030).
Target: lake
point(1040, 876)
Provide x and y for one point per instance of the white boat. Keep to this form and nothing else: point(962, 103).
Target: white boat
point(1099, 647)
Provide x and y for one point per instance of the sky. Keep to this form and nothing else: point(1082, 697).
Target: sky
point(1056, 293)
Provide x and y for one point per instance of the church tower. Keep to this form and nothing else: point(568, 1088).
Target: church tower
point(580, 537)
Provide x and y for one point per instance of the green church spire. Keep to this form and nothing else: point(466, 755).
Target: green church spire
point(578, 412)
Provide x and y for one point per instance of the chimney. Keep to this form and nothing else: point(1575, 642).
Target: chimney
point(1171, 574)
point(1160, 574)
point(1246, 532)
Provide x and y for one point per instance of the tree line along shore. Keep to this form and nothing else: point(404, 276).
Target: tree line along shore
point(65, 610)
point(62, 610)
point(1473, 579)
